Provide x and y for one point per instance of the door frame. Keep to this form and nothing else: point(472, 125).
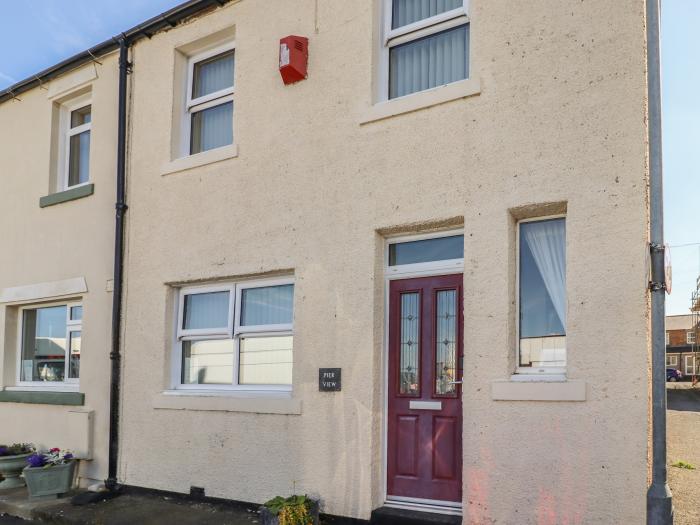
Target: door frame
point(411, 271)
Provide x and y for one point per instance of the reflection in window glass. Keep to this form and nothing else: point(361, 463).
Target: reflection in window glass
point(542, 293)
point(75, 343)
point(44, 344)
point(427, 250)
point(76, 313)
point(206, 310)
point(266, 360)
point(267, 305)
point(208, 362)
point(79, 159)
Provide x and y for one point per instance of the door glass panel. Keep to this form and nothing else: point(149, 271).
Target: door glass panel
point(446, 342)
point(409, 344)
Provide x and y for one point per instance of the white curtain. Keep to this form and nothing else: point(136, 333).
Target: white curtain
point(212, 128)
point(206, 310)
point(429, 62)
point(213, 75)
point(547, 243)
point(406, 12)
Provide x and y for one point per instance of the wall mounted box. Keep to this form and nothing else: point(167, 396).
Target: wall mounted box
point(294, 58)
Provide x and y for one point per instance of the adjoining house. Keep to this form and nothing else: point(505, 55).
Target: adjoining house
point(682, 344)
point(391, 284)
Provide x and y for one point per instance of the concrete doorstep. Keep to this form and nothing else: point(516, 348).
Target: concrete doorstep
point(127, 509)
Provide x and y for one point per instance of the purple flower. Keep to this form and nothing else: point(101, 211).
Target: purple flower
point(36, 460)
point(67, 456)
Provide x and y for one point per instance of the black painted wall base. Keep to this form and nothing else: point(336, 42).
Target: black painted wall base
point(391, 516)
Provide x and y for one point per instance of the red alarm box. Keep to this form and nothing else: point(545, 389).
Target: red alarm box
point(294, 58)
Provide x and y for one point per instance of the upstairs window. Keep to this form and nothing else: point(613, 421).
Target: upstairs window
point(542, 296)
point(236, 336)
point(76, 123)
point(51, 344)
point(210, 92)
point(668, 339)
point(426, 43)
point(690, 337)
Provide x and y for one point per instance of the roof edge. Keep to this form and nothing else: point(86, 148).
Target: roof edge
point(165, 20)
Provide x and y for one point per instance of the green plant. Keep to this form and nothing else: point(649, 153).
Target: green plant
point(294, 510)
point(683, 464)
point(16, 449)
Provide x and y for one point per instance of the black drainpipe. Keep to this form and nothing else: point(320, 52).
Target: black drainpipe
point(121, 207)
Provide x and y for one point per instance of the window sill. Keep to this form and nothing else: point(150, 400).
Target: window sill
point(42, 397)
point(218, 401)
point(67, 195)
point(200, 159)
point(538, 388)
point(422, 99)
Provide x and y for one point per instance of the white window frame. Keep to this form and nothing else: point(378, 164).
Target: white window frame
point(671, 360)
point(532, 370)
point(234, 331)
point(71, 326)
point(408, 33)
point(690, 337)
point(687, 367)
point(425, 268)
point(668, 338)
point(65, 134)
point(194, 105)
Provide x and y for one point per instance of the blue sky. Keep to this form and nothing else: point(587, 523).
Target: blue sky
point(36, 34)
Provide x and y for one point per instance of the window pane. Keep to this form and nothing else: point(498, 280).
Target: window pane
point(79, 159)
point(213, 74)
point(212, 128)
point(207, 362)
point(76, 313)
point(75, 341)
point(543, 278)
point(267, 305)
point(406, 12)
point(446, 342)
point(266, 360)
point(206, 310)
point(429, 62)
point(44, 344)
point(80, 116)
point(409, 357)
point(438, 249)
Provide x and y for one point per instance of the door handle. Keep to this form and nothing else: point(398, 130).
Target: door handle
point(456, 382)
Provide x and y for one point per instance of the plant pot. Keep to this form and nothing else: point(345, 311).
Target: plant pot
point(268, 518)
point(50, 481)
point(10, 469)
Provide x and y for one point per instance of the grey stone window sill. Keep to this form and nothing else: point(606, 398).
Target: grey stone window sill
point(67, 195)
point(43, 398)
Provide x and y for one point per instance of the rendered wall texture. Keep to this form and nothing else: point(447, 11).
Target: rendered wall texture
point(62, 242)
point(560, 119)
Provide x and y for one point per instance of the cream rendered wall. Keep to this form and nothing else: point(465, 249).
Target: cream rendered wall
point(65, 241)
point(560, 119)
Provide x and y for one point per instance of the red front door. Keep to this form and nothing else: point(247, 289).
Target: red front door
point(424, 442)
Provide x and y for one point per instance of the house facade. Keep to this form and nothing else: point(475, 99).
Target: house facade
point(381, 284)
point(56, 207)
point(682, 344)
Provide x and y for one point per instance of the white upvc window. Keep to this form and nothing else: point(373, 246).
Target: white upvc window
point(425, 44)
point(50, 345)
point(541, 302)
point(690, 337)
point(671, 360)
point(668, 339)
point(75, 122)
point(208, 122)
point(235, 336)
point(689, 368)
